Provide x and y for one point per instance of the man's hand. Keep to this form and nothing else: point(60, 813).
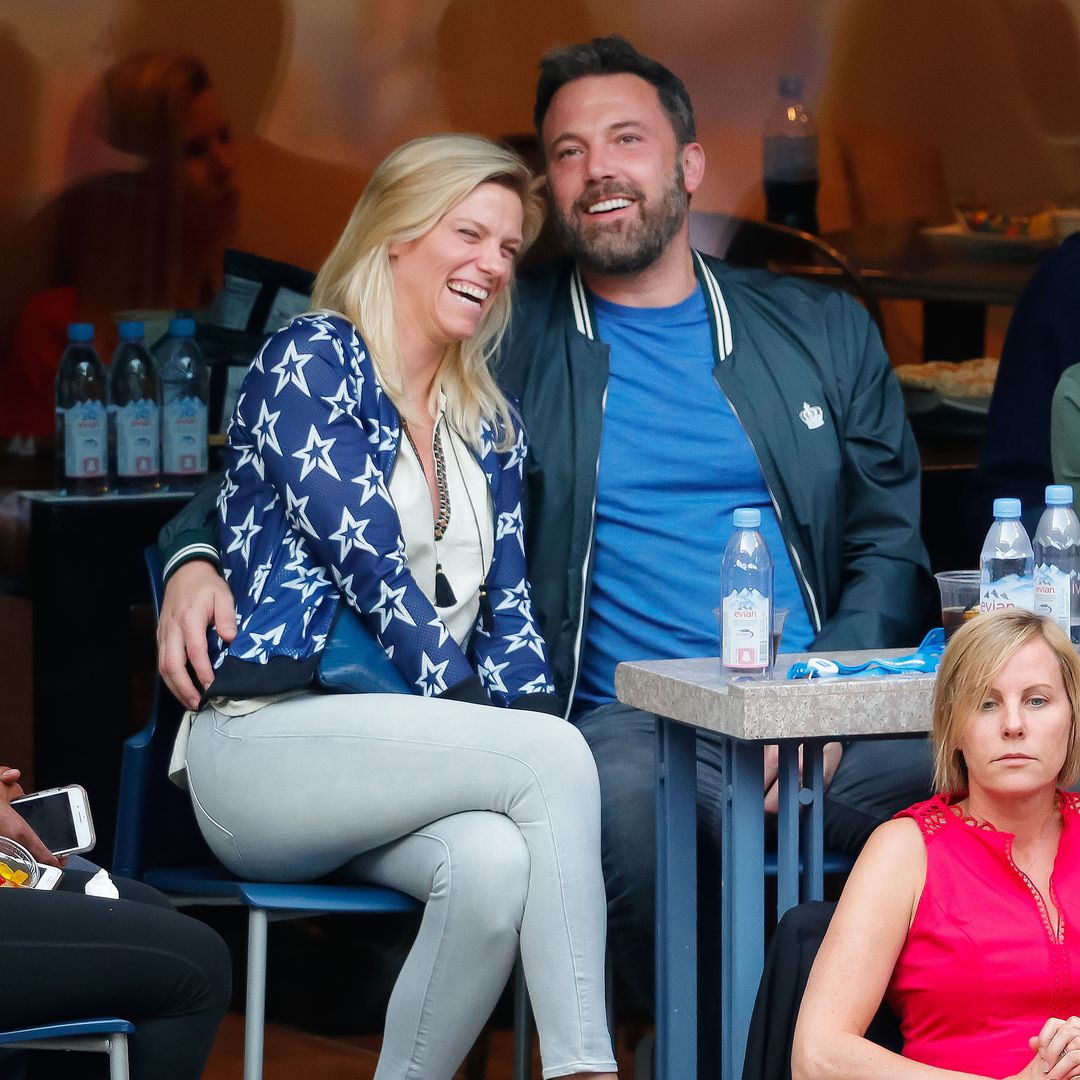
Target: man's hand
point(11, 823)
point(831, 755)
point(196, 597)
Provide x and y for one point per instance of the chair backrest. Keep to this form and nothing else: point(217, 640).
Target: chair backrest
point(155, 825)
point(745, 242)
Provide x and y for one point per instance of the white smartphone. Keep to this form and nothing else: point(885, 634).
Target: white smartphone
point(50, 877)
point(60, 817)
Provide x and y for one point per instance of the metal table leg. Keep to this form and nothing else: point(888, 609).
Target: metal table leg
point(742, 900)
point(676, 901)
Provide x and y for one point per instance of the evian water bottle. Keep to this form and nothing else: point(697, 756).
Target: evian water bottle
point(1057, 560)
point(1006, 564)
point(185, 392)
point(746, 591)
point(82, 436)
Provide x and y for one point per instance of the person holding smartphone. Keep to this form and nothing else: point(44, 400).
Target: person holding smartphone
point(69, 956)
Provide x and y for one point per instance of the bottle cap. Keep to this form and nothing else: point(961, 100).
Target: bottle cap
point(791, 86)
point(1006, 508)
point(747, 518)
point(80, 331)
point(1059, 495)
point(182, 327)
point(130, 331)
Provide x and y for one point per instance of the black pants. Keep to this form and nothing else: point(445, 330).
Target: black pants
point(68, 956)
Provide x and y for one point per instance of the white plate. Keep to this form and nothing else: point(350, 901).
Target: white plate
point(987, 245)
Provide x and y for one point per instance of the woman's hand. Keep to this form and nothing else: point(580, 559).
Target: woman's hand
point(1056, 1049)
point(11, 823)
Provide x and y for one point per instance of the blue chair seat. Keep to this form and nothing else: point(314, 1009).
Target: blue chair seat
point(109, 1025)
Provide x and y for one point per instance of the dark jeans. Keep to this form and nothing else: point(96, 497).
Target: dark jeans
point(875, 779)
point(68, 956)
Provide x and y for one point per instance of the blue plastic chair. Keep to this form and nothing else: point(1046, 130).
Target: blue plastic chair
point(158, 841)
point(107, 1035)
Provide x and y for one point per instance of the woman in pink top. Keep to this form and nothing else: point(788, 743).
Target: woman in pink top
point(964, 912)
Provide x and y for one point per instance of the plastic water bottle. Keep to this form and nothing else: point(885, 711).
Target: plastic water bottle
point(1057, 561)
point(791, 161)
point(746, 595)
point(1007, 562)
point(134, 413)
point(185, 395)
point(82, 436)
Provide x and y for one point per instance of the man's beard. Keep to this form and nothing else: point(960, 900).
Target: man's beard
point(637, 244)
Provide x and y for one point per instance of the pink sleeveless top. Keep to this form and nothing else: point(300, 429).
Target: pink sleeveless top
point(982, 967)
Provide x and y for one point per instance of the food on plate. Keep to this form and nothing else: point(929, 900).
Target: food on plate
point(960, 379)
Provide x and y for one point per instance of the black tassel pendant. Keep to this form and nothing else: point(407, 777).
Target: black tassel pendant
point(444, 595)
point(487, 616)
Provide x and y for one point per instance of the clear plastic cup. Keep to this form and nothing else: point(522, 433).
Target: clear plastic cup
point(16, 861)
point(779, 616)
point(959, 598)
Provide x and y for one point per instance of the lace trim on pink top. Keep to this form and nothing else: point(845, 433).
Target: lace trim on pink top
point(934, 814)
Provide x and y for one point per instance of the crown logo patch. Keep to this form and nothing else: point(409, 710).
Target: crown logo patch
point(812, 416)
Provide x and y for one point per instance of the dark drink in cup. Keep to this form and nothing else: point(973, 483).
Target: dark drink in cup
point(954, 617)
point(959, 598)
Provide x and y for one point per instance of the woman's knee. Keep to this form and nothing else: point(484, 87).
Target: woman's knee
point(485, 869)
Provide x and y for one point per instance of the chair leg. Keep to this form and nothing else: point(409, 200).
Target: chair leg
point(255, 1013)
point(523, 1026)
point(118, 1057)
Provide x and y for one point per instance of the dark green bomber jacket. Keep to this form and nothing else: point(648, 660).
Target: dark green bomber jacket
point(805, 372)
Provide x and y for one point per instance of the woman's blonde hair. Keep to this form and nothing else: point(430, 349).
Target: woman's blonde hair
point(407, 196)
point(976, 653)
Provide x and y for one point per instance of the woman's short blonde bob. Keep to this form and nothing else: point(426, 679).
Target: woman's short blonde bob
point(413, 188)
point(973, 657)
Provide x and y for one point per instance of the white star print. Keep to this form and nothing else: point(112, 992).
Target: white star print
point(489, 674)
point(296, 511)
point(264, 431)
point(510, 525)
point(340, 403)
point(526, 638)
point(517, 452)
point(389, 606)
point(258, 580)
point(539, 685)
point(439, 625)
point(248, 456)
point(228, 490)
point(397, 556)
point(372, 482)
point(308, 581)
point(260, 650)
point(350, 534)
point(316, 454)
point(243, 535)
point(431, 679)
point(516, 599)
point(344, 584)
point(290, 370)
point(389, 437)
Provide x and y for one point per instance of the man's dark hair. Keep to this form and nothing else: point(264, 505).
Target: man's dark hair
point(614, 56)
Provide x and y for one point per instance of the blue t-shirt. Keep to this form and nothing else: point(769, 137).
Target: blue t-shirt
point(674, 464)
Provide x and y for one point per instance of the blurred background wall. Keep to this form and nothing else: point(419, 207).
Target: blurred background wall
point(919, 101)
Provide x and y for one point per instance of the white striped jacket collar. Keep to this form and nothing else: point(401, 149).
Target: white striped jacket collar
point(585, 320)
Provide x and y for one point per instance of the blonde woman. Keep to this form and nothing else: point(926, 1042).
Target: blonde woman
point(374, 472)
point(963, 913)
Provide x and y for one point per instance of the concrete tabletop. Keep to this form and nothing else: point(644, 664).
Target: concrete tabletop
point(694, 692)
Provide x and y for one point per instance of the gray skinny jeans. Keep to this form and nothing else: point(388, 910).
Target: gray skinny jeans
point(489, 816)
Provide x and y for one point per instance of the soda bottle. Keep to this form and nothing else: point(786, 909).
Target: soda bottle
point(746, 594)
point(185, 394)
point(1007, 561)
point(134, 414)
point(1057, 561)
point(81, 421)
point(791, 161)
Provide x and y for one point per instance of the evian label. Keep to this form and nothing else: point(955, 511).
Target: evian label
point(183, 437)
point(746, 633)
point(1014, 590)
point(85, 439)
point(137, 438)
point(1053, 594)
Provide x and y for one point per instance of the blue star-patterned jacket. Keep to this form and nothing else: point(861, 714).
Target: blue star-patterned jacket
point(306, 522)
